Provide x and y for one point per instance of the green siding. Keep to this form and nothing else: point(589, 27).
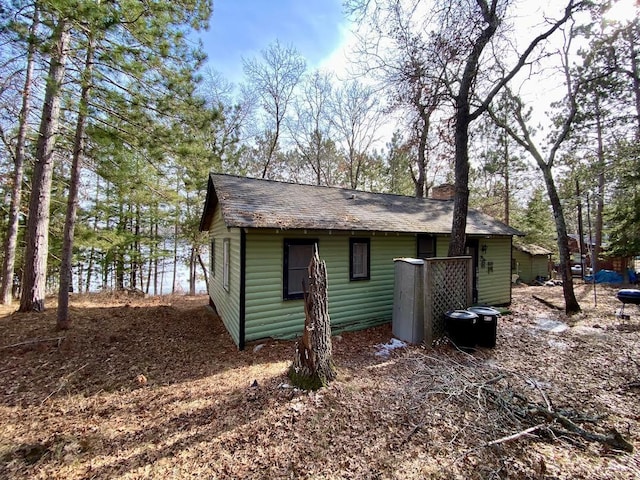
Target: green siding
point(352, 304)
point(227, 302)
point(528, 267)
point(442, 245)
point(494, 287)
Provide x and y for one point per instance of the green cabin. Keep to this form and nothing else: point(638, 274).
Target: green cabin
point(530, 263)
point(262, 233)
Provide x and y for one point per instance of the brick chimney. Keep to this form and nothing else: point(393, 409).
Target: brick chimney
point(446, 191)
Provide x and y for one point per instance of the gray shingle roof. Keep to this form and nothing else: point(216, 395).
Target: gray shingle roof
point(532, 249)
point(254, 203)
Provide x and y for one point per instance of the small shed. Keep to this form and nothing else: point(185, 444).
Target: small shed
point(530, 262)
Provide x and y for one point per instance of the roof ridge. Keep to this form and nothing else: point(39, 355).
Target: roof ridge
point(332, 187)
point(265, 203)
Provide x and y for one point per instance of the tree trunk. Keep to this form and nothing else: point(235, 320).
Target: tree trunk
point(204, 269)
point(461, 199)
point(507, 181)
point(192, 272)
point(312, 366)
point(63, 322)
point(463, 120)
point(155, 259)
point(92, 252)
point(464, 116)
point(601, 187)
point(119, 251)
point(175, 255)
point(87, 285)
point(136, 255)
point(581, 245)
point(422, 154)
point(150, 270)
point(11, 240)
point(525, 141)
point(571, 303)
point(37, 239)
point(635, 78)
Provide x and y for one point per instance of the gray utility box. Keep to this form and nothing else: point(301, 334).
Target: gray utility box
point(408, 300)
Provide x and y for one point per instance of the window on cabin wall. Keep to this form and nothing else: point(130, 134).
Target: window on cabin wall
point(226, 260)
point(426, 246)
point(212, 257)
point(296, 259)
point(359, 258)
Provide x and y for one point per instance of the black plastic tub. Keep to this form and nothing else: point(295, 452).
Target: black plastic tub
point(461, 327)
point(487, 326)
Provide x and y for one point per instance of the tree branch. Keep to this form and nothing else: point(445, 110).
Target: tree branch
point(568, 12)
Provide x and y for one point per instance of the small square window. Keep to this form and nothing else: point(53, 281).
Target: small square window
point(359, 258)
point(426, 246)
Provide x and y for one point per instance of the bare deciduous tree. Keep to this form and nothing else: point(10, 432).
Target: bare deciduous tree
point(356, 118)
point(273, 79)
point(463, 30)
point(310, 126)
point(522, 134)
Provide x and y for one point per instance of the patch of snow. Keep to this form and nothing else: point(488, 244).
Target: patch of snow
point(558, 345)
point(385, 349)
point(548, 325)
point(591, 331)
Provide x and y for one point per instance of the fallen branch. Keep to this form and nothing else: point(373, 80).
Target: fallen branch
point(33, 342)
point(634, 384)
point(517, 435)
point(461, 385)
point(535, 385)
point(63, 383)
point(613, 440)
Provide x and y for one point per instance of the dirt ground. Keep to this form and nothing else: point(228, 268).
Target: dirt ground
point(155, 388)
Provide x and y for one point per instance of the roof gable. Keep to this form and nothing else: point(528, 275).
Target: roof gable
point(254, 203)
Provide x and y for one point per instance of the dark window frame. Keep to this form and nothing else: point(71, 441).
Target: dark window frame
point(212, 259)
point(352, 243)
point(285, 265)
point(426, 236)
point(226, 264)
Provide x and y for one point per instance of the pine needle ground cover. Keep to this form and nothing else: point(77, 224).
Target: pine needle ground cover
point(155, 388)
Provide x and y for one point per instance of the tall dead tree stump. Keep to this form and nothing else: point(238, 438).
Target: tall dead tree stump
point(312, 366)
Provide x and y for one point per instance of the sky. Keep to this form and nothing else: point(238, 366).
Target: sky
point(242, 28)
point(318, 29)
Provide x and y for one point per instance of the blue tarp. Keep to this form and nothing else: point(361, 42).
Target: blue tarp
point(605, 276)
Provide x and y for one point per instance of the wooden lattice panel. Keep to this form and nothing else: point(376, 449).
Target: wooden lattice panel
point(448, 286)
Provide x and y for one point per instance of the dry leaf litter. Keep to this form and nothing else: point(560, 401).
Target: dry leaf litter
point(155, 388)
